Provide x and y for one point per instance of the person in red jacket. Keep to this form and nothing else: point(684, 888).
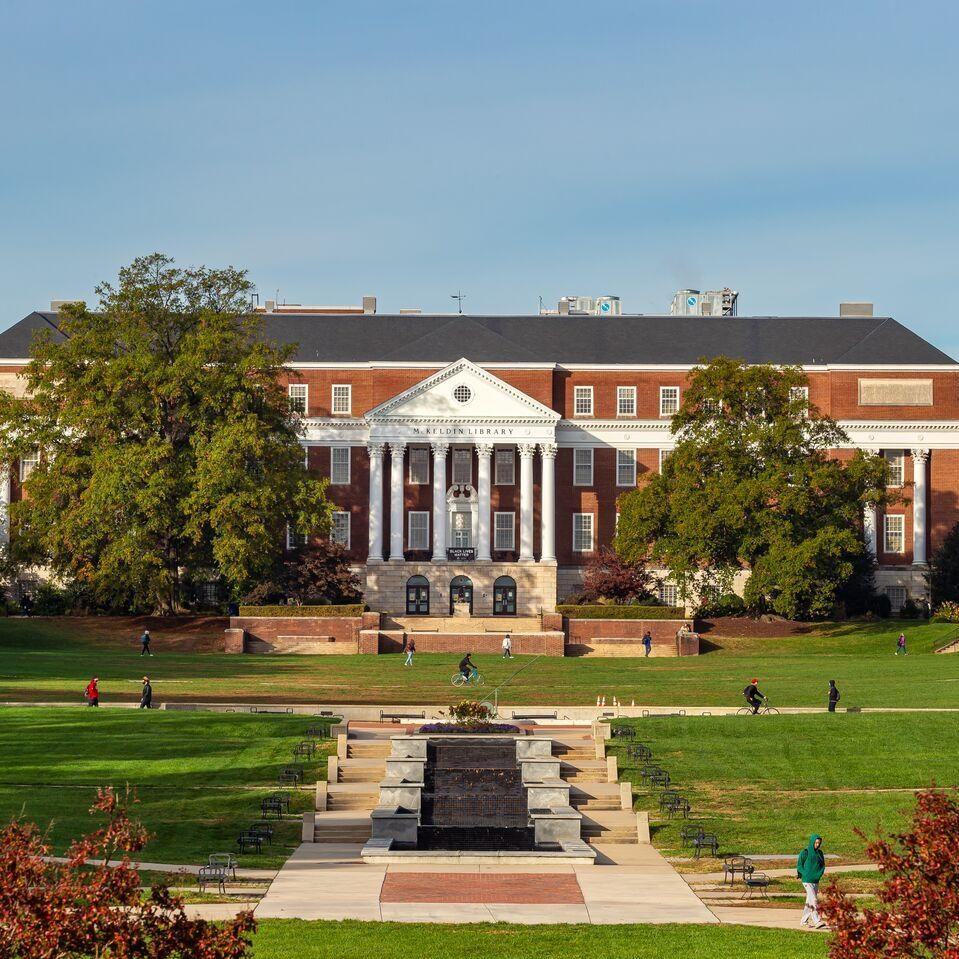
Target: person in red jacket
point(92, 692)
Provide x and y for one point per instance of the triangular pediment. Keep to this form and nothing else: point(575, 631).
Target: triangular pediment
point(462, 392)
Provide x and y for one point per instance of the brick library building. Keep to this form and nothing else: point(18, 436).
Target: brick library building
point(475, 461)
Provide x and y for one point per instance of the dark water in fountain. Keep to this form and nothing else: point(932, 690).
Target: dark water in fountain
point(473, 797)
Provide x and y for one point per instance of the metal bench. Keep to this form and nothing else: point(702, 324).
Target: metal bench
point(688, 833)
point(290, 776)
point(678, 808)
point(623, 732)
point(306, 748)
point(248, 840)
point(659, 777)
point(666, 797)
point(272, 712)
point(319, 732)
point(734, 864)
point(225, 861)
point(647, 770)
point(756, 882)
point(211, 876)
point(399, 717)
point(264, 830)
point(706, 840)
point(551, 715)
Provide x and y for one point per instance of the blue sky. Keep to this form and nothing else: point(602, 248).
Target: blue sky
point(802, 153)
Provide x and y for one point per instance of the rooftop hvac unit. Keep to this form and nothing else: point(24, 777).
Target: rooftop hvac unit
point(580, 305)
point(608, 306)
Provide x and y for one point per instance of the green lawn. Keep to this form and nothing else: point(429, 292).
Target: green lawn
point(199, 777)
point(763, 784)
point(297, 939)
point(52, 660)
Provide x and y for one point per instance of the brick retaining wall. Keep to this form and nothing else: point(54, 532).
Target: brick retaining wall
point(485, 644)
point(623, 637)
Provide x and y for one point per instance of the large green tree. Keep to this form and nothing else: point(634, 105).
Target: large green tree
point(167, 444)
point(751, 485)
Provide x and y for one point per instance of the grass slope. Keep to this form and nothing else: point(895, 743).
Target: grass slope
point(297, 939)
point(198, 777)
point(52, 660)
point(763, 784)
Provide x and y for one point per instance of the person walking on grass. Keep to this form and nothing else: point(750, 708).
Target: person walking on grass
point(92, 692)
point(146, 694)
point(834, 696)
point(410, 647)
point(810, 867)
point(145, 643)
point(901, 645)
point(647, 641)
point(507, 647)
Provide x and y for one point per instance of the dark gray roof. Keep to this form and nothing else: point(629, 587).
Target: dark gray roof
point(680, 340)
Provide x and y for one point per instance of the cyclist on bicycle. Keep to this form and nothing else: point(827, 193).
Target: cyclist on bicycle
point(467, 667)
point(753, 696)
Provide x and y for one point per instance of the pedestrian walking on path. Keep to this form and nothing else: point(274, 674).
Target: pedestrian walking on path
point(145, 643)
point(507, 647)
point(901, 644)
point(92, 692)
point(810, 867)
point(146, 694)
point(410, 647)
point(648, 640)
point(834, 696)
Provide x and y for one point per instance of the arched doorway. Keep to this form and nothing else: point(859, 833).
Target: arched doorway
point(461, 593)
point(504, 596)
point(417, 596)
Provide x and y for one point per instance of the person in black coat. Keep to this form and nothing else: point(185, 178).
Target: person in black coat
point(146, 694)
point(833, 695)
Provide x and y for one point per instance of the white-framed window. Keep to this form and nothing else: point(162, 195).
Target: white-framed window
point(583, 466)
point(582, 532)
point(28, 463)
point(504, 471)
point(418, 531)
point(299, 394)
point(663, 456)
point(894, 533)
point(897, 597)
point(625, 400)
point(625, 467)
point(582, 401)
point(504, 531)
point(419, 465)
point(668, 594)
point(342, 401)
point(462, 466)
point(799, 393)
point(340, 528)
point(896, 461)
point(668, 400)
point(340, 465)
point(294, 540)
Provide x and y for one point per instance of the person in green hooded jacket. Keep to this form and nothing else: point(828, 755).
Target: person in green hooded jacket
point(810, 867)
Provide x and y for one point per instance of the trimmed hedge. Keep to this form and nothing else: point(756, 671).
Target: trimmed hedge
point(622, 612)
point(351, 609)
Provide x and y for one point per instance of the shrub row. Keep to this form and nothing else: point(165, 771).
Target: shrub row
point(351, 609)
point(622, 612)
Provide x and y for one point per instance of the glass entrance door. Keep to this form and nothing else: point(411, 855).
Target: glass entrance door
point(461, 593)
point(504, 596)
point(417, 596)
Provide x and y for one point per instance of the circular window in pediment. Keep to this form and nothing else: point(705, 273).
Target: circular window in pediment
point(462, 394)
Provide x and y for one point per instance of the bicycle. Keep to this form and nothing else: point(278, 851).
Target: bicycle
point(764, 710)
point(458, 679)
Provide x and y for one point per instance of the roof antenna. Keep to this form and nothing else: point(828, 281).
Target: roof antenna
point(459, 297)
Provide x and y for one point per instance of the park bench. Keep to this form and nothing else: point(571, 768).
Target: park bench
point(734, 864)
point(319, 732)
point(225, 861)
point(271, 806)
point(647, 771)
point(639, 751)
point(706, 840)
point(248, 839)
point(264, 829)
point(666, 797)
point(305, 748)
point(623, 732)
point(290, 776)
point(648, 715)
point(551, 715)
point(756, 882)
point(688, 833)
point(272, 712)
point(399, 717)
point(284, 799)
point(659, 777)
point(211, 875)
point(679, 807)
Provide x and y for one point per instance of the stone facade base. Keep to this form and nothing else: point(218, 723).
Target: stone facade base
point(535, 586)
point(911, 578)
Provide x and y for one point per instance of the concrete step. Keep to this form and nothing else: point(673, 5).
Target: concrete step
point(576, 779)
point(588, 805)
point(341, 836)
point(368, 750)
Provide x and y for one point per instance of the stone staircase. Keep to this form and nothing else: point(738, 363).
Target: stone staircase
point(459, 625)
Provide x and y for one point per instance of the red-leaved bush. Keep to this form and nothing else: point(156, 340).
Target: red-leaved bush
point(919, 915)
point(56, 910)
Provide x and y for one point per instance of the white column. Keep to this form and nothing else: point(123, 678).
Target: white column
point(484, 452)
point(869, 529)
point(439, 502)
point(5, 503)
point(396, 502)
point(526, 451)
point(919, 460)
point(376, 503)
point(547, 503)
